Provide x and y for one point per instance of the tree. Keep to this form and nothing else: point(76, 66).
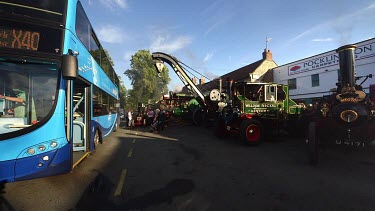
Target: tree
point(144, 79)
point(123, 92)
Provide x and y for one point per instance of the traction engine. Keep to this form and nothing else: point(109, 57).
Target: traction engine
point(347, 117)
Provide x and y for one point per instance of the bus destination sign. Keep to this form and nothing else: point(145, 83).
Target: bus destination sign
point(19, 39)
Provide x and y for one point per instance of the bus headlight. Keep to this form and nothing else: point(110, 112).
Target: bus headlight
point(41, 148)
point(53, 144)
point(31, 151)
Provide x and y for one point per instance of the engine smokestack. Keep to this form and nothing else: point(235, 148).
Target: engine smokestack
point(229, 91)
point(346, 58)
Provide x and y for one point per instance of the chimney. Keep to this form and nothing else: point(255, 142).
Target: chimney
point(194, 79)
point(347, 70)
point(201, 81)
point(267, 55)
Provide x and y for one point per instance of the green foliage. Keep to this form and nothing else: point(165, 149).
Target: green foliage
point(123, 93)
point(147, 86)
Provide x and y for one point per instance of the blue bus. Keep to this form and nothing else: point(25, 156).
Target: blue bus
point(59, 94)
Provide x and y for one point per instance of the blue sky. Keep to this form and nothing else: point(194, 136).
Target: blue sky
point(218, 36)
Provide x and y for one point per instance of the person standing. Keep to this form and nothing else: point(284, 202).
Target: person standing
point(150, 116)
point(130, 118)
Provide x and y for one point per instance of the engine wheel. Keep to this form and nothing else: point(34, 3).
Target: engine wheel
point(220, 130)
point(251, 131)
point(313, 144)
point(198, 116)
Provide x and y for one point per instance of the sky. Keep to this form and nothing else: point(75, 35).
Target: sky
point(215, 37)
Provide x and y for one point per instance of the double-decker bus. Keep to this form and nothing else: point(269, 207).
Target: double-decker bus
point(58, 91)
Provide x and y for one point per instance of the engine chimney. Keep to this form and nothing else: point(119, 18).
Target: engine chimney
point(346, 57)
point(229, 91)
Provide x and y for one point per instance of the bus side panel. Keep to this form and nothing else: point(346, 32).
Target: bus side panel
point(105, 124)
point(7, 171)
point(58, 163)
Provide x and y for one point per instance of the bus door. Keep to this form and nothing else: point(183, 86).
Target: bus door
point(81, 116)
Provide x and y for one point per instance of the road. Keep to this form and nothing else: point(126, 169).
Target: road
point(186, 168)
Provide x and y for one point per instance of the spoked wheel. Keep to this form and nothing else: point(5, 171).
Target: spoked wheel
point(313, 144)
point(251, 131)
point(220, 130)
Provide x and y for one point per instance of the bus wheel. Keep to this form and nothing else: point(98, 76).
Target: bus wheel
point(96, 138)
point(116, 127)
point(251, 131)
point(220, 130)
point(313, 144)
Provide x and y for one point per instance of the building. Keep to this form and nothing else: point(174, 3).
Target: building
point(311, 78)
point(255, 72)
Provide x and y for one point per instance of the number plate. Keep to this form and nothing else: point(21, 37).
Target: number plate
point(351, 143)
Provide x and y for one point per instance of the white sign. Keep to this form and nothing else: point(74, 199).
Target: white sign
point(332, 59)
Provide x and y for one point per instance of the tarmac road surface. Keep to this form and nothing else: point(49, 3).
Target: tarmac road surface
point(187, 168)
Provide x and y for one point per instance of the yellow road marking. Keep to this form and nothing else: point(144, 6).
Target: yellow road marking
point(133, 141)
point(130, 152)
point(80, 160)
point(120, 183)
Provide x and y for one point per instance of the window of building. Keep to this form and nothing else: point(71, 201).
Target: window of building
point(315, 80)
point(292, 83)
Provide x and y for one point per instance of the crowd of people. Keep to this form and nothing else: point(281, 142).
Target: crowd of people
point(156, 119)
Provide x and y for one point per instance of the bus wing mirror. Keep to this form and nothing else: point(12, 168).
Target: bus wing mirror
point(69, 67)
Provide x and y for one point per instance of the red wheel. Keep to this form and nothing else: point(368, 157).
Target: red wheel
point(251, 131)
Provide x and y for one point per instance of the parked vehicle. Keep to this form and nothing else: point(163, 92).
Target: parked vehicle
point(255, 110)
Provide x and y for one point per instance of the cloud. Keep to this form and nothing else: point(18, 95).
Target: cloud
point(207, 57)
point(168, 45)
point(111, 34)
point(128, 56)
point(114, 4)
point(341, 24)
point(218, 14)
point(322, 40)
point(90, 2)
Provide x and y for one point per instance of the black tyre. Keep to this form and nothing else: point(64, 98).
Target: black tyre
point(313, 144)
point(220, 130)
point(199, 116)
point(96, 138)
point(115, 127)
point(251, 131)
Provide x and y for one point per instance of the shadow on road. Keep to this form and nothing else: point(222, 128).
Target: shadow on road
point(174, 188)
point(4, 204)
point(97, 195)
